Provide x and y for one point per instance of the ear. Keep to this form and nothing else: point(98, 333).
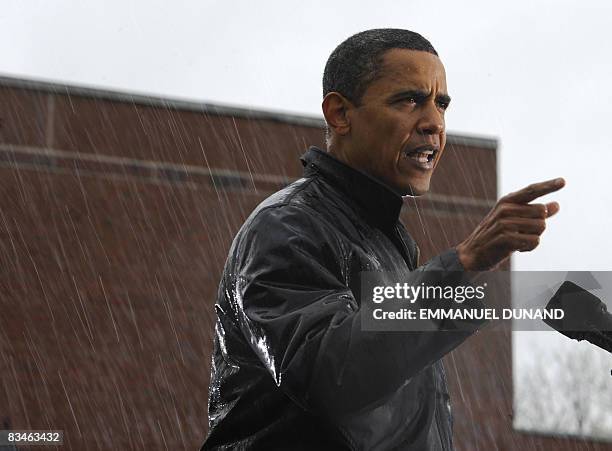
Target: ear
point(335, 107)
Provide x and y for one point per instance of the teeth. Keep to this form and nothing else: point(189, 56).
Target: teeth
point(421, 157)
point(423, 151)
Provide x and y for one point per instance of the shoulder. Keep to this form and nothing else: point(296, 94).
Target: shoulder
point(299, 208)
point(287, 223)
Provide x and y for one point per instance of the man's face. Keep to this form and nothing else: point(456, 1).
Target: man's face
point(397, 134)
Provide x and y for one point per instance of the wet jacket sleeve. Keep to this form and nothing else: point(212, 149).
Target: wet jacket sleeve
point(304, 323)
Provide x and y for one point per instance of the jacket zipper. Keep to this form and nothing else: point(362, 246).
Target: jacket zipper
point(405, 249)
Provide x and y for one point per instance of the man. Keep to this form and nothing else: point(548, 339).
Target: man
point(292, 368)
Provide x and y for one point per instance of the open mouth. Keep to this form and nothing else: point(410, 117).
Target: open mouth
point(424, 155)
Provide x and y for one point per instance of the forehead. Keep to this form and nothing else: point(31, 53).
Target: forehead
point(409, 69)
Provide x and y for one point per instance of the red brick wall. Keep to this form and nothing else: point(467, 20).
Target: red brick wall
point(113, 233)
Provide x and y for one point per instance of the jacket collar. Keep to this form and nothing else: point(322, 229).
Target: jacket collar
point(379, 203)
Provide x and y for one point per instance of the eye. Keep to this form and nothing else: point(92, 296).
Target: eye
point(407, 102)
point(443, 105)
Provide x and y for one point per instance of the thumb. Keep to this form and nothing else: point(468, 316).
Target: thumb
point(552, 208)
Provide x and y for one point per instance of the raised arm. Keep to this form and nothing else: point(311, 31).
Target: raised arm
point(304, 323)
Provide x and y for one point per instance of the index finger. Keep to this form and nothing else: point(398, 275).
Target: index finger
point(535, 190)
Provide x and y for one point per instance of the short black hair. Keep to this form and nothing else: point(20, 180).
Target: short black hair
point(356, 62)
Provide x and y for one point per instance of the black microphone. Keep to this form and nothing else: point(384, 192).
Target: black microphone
point(585, 316)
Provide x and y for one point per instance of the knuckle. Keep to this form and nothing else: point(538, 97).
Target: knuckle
point(528, 243)
point(503, 210)
point(506, 225)
point(541, 226)
point(541, 210)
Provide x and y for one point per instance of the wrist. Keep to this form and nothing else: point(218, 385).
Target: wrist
point(464, 257)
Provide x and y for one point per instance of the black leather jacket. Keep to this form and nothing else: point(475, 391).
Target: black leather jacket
point(291, 368)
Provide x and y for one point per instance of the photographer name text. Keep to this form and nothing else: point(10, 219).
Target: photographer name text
point(468, 314)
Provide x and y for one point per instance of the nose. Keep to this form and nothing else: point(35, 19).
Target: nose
point(431, 122)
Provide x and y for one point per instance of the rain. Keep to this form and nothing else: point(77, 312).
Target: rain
point(135, 141)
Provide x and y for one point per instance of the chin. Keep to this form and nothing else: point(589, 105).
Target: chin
point(415, 190)
point(407, 187)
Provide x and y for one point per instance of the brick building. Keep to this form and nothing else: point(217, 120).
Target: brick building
point(117, 214)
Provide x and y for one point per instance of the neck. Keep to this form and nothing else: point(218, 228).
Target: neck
point(340, 152)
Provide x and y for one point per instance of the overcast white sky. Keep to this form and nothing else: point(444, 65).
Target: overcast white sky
point(534, 74)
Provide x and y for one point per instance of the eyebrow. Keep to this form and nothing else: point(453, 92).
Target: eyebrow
point(418, 95)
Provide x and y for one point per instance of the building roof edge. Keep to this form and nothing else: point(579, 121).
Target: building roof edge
point(203, 107)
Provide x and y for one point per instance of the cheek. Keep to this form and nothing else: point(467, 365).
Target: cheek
point(383, 121)
point(386, 132)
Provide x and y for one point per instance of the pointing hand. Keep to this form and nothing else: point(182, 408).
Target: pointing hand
point(512, 225)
